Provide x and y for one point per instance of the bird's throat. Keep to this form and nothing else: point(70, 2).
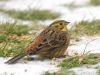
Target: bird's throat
point(64, 29)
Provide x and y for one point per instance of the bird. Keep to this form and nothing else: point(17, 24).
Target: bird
point(51, 43)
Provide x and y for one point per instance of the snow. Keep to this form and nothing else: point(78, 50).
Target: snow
point(36, 67)
point(5, 18)
point(84, 71)
point(41, 4)
point(93, 45)
point(75, 15)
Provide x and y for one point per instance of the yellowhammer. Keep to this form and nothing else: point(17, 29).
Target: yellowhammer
point(52, 42)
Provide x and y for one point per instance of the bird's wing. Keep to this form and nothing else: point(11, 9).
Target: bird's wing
point(48, 39)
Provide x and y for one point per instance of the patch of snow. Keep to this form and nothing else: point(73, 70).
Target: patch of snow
point(5, 18)
point(30, 68)
point(93, 46)
point(84, 71)
point(87, 13)
point(40, 4)
point(75, 15)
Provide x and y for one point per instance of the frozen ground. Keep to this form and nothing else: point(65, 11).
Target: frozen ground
point(93, 45)
point(75, 15)
point(36, 67)
point(85, 71)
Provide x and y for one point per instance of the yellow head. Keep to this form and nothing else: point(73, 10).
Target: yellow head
point(60, 24)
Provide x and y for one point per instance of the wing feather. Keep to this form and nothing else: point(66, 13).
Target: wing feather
point(48, 39)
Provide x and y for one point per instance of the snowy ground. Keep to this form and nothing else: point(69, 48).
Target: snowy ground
point(93, 45)
point(75, 15)
point(35, 67)
point(83, 13)
point(84, 71)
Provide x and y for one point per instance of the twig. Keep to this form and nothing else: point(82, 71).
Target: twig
point(86, 47)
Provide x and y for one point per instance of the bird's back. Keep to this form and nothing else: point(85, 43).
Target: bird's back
point(47, 41)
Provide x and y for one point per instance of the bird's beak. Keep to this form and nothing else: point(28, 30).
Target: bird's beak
point(67, 23)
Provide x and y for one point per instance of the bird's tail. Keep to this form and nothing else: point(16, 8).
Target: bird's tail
point(15, 58)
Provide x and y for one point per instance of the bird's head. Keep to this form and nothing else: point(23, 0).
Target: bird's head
point(60, 24)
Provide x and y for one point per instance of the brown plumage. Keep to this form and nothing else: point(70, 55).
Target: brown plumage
point(50, 43)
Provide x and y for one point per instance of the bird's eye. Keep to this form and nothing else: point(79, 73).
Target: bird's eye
point(60, 23)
